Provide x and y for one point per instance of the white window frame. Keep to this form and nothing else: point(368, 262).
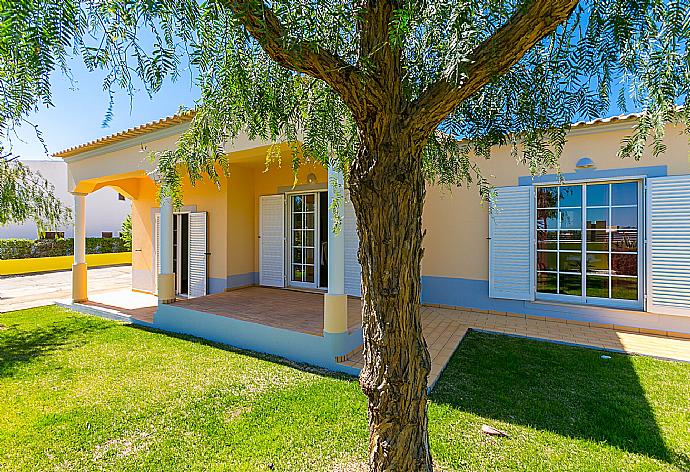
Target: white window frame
point(638, 304)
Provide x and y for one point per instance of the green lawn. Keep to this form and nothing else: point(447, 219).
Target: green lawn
point(81, 393)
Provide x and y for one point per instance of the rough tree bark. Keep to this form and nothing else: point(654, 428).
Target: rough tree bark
point(387, 190)
point(388, 199)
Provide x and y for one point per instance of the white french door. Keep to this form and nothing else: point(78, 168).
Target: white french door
point(303, 239)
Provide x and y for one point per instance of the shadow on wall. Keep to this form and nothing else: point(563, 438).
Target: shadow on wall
point(566, 390)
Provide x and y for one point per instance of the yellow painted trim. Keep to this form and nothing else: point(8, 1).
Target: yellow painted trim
point(335, 313)
point(48, 264)
point(166, 288)
point(145, 292)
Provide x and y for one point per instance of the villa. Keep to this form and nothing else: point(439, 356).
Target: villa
point(254, 263)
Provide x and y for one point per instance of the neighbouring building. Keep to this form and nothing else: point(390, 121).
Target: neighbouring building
point(606, 242)
point(105, 214)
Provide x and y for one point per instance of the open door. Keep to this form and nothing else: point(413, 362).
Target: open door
point(198, 254)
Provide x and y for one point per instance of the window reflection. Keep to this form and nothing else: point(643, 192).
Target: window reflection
point(608, 215)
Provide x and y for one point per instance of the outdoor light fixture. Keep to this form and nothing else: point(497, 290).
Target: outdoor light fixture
point(311, 178)
point(585, 163)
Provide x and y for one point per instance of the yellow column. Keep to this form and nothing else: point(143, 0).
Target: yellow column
point(79, 277)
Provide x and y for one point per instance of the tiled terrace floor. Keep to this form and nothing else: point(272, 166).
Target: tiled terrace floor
point(444, 329)
point(279, 308)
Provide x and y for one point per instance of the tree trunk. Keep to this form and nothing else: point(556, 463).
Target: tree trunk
point(387, 191)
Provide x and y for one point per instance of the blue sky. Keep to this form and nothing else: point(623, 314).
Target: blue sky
point(78, 111)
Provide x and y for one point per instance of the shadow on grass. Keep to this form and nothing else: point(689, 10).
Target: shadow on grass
point(23, 345)
point(254, 354)
point(563, 389)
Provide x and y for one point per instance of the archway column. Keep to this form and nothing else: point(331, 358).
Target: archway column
point(79, 268)
point(166, 278)
point(335, 301)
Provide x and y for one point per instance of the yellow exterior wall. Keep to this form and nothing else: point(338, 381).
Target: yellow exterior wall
point(142, 227)
point(205, 196)
point(209, 198)
point(277, 178)
point(232, 210)
point(241, 237)
point(49, 264)
point(457, 222)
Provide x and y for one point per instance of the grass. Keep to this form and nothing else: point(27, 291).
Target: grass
point(81, 393)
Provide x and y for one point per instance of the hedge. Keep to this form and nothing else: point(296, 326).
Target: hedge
point(27, 248)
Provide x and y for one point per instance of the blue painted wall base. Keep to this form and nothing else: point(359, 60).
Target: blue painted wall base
point(218, 285)
point(299, 347)
point(469, 293)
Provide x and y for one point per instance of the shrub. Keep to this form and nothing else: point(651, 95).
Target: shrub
point(15, 248)
point(126, 233)
point(26, 248)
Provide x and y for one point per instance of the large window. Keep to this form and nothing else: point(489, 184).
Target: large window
point(587, 238)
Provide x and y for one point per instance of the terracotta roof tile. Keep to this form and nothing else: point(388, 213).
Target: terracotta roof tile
point(139, 130)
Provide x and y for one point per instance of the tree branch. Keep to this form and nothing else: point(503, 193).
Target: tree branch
point(531, 23)
point(300, 56)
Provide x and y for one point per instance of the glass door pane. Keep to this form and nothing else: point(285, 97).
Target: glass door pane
point(303, 239)
point(559, 240)
point(612, 219)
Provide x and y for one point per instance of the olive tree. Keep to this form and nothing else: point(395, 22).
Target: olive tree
point(393, 93)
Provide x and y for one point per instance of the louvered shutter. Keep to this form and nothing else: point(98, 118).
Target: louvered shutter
point(511, 243)
point(157, 250)
point(353, 271)
point(272, 241)
point(198, 259)
point(668, 245)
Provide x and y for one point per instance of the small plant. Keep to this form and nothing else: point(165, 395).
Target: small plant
point(126, 233)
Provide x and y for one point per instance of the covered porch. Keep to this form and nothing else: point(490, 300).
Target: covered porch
point(206, 265)
point(293, 310)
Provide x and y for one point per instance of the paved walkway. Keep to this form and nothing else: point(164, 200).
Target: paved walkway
point(444, 329)
point(27, 291)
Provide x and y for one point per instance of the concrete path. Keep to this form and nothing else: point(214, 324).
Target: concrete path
point(27, 291)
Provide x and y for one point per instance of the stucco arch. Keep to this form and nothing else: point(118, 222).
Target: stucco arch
point(129, 184)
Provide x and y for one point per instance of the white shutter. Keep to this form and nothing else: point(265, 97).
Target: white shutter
point(197, 254)
point(156, 251)
point(668, 245)
point(353, 271)
point(511, 243)
point(272, 241)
